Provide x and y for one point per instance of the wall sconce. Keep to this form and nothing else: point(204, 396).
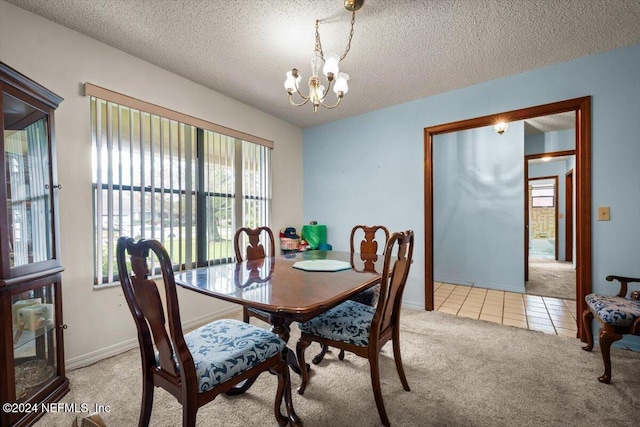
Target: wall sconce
point(501, 127)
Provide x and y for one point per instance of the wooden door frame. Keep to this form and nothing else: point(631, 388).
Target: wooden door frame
point(582, 108)
point(568, 215)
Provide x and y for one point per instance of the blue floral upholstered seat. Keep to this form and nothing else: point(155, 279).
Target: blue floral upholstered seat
point(348, 322)
point(613, 309)
point(618, 315)
point(226, 348)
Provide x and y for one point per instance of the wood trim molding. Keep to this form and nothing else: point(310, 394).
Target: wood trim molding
point(25, 85)
point(568, 215)
point(119, 98)
point(582, 107)
point(550, 154)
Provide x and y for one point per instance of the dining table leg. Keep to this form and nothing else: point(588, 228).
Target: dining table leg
point(282, 328)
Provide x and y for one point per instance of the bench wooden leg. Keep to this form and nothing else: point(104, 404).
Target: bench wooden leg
point(587, 318)
point(608, 336)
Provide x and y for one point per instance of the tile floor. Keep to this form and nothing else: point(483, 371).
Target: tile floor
point(545, 314)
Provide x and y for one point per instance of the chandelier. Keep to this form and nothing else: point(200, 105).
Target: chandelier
point(317, 90)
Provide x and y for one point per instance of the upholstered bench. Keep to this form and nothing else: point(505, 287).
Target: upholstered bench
point(618, 315)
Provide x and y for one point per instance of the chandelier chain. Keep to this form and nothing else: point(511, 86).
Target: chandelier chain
point(318, 46)
point(353, 20)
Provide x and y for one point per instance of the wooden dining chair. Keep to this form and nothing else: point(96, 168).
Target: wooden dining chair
point(362, 329)
point(198, 366)
point(374, 239)
point(254, 250)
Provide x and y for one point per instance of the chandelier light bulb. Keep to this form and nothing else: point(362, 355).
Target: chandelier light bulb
point(291, 82)
point(341, 83)
point(331, 65)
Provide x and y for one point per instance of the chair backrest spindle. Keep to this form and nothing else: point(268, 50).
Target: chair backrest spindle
point(254, 249)
point(368, 245)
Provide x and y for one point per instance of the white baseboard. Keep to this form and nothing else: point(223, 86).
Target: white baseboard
point(98, 355)
point(113, 350)
point(413, 306)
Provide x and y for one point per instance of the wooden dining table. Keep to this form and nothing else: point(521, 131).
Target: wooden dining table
point(286, 293)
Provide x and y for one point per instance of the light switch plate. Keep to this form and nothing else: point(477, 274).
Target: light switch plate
point(603, 213)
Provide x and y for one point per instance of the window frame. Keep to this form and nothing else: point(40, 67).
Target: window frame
point(197, 191)
point(539, 200)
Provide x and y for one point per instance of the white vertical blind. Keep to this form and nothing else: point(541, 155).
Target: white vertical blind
point(146, 185)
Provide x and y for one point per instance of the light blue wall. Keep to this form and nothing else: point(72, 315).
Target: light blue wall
point(478, 220)
point(550, 141)
point(369, 168)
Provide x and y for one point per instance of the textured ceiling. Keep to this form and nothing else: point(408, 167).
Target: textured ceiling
point(402, 50)
point(554, 122)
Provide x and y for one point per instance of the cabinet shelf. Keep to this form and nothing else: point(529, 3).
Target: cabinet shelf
point(23, 339)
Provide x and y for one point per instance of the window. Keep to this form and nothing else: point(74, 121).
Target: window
point(543, 196)
point(159, 178)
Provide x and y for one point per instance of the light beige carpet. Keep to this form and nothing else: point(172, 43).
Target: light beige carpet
point(462, 372)
point(551, 278)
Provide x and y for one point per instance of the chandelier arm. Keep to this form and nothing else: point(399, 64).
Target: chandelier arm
point(295, 104)
point(326, 91)
point(301, 95)
point(329, 107)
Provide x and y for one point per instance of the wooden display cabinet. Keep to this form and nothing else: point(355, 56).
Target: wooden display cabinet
point(31, 329)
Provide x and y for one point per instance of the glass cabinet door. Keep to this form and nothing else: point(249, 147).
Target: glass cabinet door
point(34, 340)
point(29, 186)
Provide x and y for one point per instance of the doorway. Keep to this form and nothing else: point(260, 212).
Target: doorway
point(548, 273)
point(582, 109)
point(541, 208)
